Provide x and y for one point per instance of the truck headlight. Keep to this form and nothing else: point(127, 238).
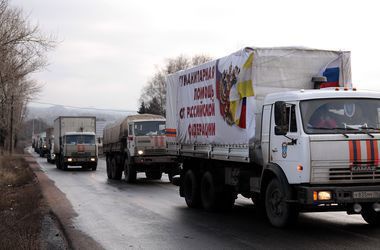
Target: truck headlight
point(69, 159)
point(322, 195)
point(93, 159)
point(140, 152)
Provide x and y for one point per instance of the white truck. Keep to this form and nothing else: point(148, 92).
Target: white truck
point(137, 144)
point(282, 126)
point(74, 142)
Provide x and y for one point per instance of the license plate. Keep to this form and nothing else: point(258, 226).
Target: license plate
point(366, 194)
point(357, 168)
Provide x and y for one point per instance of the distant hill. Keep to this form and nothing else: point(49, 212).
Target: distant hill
point(49, 114)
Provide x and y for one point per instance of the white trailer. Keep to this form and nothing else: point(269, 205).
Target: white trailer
point(254, 123)
point(74, 142)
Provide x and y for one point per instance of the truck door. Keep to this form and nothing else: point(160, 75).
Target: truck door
point(285, 151)
point(131, 141)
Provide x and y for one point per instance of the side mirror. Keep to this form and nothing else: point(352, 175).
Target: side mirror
point(280, 120)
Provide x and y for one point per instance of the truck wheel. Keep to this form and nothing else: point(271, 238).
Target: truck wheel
point(94, 167)
point(370, 216)
point(153, 175)
point(129, 172)
point(209, 194)
point(63, 164)
point(108, 166)
point(191, 190)
point(58, 162)
point(117, 171)
point(279, 212)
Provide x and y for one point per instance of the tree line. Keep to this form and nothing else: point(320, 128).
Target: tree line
point(153, 95)
point(23, 49)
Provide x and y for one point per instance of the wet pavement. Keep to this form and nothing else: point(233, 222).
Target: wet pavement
point(151, 215)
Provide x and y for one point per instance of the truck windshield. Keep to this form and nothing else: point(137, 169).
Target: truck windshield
point(80, 139)
point(334, 116)
point(149, 128)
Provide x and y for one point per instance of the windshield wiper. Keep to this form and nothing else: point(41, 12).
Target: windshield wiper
point(337, 128)
point(366, 128)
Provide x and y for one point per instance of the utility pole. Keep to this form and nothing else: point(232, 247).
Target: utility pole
point(11, 129)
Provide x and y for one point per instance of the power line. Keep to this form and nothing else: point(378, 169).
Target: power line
point(84, 108)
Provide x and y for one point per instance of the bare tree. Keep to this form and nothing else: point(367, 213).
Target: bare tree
point(154, 92)
point(22, 50)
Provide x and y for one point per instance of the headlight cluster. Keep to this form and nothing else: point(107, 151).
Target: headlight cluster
point(140, 152)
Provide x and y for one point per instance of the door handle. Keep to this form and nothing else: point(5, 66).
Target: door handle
point(274, 150)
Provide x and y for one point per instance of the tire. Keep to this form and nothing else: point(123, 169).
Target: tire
point(129, 172)
point(63, 165)
point(209, 193)
point(94, 167)
point(108, 167)
point(370, 216)
point(117, 171)
point(191, 190)
point(58, 162)
point(153, 175)
point(278, 211)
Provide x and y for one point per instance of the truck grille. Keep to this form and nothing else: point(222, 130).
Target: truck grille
point(343, 174)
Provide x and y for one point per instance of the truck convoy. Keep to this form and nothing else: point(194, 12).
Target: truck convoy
point(282, 126)
point(137, 144)
point(50, 156)
point(74, 142)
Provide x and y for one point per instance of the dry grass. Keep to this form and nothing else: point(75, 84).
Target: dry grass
point(20, 205)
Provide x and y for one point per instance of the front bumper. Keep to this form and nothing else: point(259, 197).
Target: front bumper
point(161, 160)
point(79, 161)
point(339, 195)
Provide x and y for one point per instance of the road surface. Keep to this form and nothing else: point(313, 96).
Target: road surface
point(151, 215)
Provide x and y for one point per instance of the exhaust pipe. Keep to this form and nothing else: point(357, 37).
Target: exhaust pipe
point(376, 207)
point(358, 208)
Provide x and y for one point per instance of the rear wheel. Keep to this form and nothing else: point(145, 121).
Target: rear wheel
point(279, 212)
point(117, 171)
point(191, 190)
point(108, 166)
point(370, 216)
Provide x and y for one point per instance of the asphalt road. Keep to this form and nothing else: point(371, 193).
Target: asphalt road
point(151, 215)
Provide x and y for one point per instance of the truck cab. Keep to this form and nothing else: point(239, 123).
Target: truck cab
point(323, 146)
point(146, 144)
point(79, 149)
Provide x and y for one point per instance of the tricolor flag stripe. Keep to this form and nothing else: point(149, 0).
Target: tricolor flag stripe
point(376, 152)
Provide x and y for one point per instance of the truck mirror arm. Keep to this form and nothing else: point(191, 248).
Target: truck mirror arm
point(293, 141)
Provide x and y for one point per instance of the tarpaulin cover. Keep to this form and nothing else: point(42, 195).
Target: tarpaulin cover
point(220, 102)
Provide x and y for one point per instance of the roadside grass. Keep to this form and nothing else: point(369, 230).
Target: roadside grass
point(20, 205)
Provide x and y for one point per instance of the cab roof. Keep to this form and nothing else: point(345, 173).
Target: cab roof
point(309, 94)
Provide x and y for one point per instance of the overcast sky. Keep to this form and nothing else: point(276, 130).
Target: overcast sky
point(109, 48)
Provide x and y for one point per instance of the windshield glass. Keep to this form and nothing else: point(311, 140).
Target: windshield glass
point(149, 128)
point(330, 116)
point(80, 139)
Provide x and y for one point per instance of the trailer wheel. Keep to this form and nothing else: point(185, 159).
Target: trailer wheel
point(129, 172)
point(108, 167)
point(191, 190)
point(153, 174)
point(370, 216)
point(279, 212)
